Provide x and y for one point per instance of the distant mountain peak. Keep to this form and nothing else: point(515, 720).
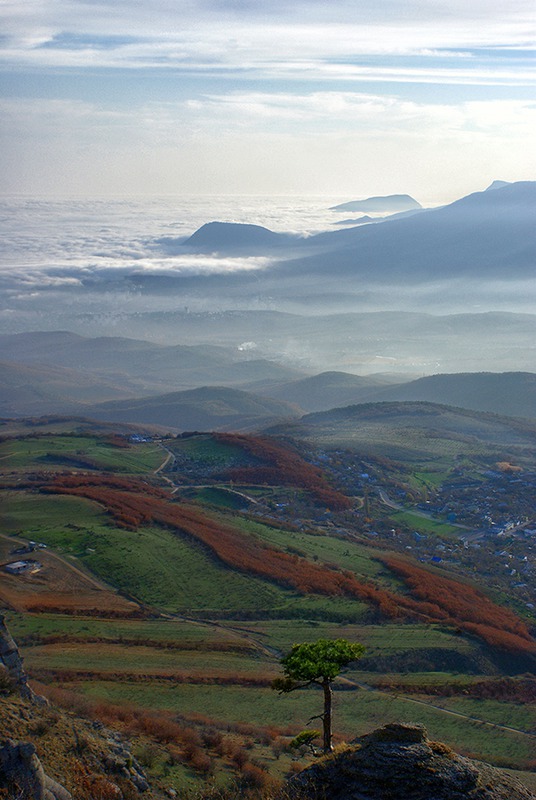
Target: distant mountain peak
point(391, 202)
point(235, 235)
point(497, 185)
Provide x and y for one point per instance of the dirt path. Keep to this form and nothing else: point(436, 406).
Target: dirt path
point(407, 698)
point(169, 457)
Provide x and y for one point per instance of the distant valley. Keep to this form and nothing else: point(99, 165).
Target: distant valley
point(211, 387)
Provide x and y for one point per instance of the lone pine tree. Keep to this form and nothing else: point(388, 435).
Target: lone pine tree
point(318, 663)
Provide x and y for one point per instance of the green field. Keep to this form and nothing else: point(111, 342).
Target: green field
point(387, 638)
point(117, 659)
point(153, 565)
point(223, 498)
point(165, 631)
point(329, 549)
point(204, 450)
point(355, 712)
point(156, 566)
point(423, 524)
point(51, 453)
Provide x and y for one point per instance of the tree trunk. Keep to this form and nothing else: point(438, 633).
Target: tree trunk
point(326, 717)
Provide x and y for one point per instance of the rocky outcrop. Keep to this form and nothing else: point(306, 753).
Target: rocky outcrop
point(120, 761)
point(12, 661)
point(21, 774)
point(398, 762)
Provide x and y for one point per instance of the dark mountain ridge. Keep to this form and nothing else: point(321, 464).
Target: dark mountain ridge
point(234, 236)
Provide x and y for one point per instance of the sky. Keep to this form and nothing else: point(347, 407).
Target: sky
point(352, 98)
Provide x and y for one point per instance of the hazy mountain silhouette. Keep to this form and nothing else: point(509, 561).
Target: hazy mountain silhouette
point(358, 221)
point(392, 202)
point(230, 236)
point(328, 390)
point(370, 342)
point(487, 235)
point(32, 389)
point(206, 408)
point(139, 367)
point(497, 185)
point(507, 393)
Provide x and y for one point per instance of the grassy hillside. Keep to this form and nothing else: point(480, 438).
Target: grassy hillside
point(413, 431)
point(209, 598)
point(84, 452)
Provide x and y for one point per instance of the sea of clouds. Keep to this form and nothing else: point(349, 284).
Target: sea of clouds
point(60, 259)
point(83, 252)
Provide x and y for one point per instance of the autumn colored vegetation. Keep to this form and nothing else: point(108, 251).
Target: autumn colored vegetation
point(196, 742)
point(463, 606)
point(50, 605)
point(221, 678)
point(195, 645)
point(280, 465)
point(134, 503)
point(127, 500)
point(433, 597)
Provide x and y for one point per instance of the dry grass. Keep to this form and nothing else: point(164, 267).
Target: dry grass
point(57, 586)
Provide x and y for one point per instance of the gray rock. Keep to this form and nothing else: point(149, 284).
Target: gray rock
point(399, 762)
point(12, 661)
point(21, 772)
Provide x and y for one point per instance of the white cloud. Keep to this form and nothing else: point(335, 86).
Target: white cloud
point(279, 142)
point(236, 95)
point(252, 36)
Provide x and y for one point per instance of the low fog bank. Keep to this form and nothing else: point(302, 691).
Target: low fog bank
point(444, 290)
